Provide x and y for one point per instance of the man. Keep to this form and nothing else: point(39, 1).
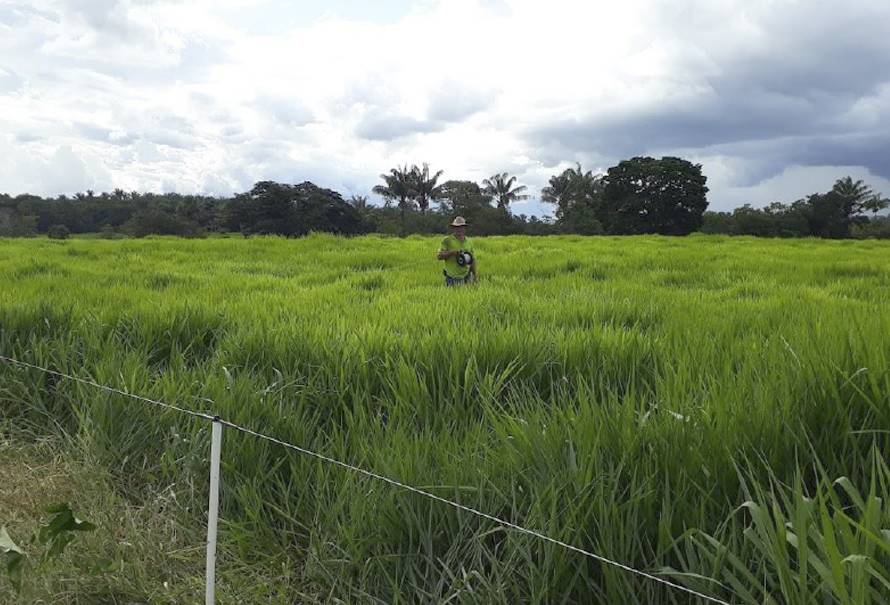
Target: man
point(457, 252)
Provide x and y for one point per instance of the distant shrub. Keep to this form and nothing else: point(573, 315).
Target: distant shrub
point(878, 228)
point(154, 221)
point(58, 232)
point(108, 232)
point(13, 224)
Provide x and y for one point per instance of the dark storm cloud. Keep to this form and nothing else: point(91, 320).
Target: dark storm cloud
point(788, 99)
point(758, 160)
point(871, 150)
point(697, 123)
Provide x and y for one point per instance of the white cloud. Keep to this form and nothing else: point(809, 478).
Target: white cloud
point(210, 95)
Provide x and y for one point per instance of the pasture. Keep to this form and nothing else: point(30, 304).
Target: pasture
point(713, 409)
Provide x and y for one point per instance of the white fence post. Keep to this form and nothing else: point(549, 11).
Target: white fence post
point(213, 511)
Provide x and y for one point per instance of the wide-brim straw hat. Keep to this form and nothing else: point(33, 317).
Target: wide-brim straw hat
point(459, 221)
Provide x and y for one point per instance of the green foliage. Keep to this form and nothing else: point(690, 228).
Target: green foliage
point(58, 532)
point(581, 219)
point(425, 186)
point(15, 559)
point(627, 395)
point(574, 193)
point(155, 221)
point(802, 544)
point(292, 210)
point(58, 232)
point(500, 188)
point(645, 195)
point(55, 536)
point(398, 187)
point(878, 228)
point(839, 213)
point(13, 223)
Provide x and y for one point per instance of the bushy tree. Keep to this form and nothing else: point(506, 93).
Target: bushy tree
point(838, 213)
point(12, 222)
point(714, 223)
point(266, 209)
point(58, 232)
point(324, 210)
point(293, 210)
point(464, 198)
point(154, 221)
point(876, 227)
point(645, 195)
point(829, 214)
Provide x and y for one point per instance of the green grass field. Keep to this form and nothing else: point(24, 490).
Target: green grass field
point(713, 409)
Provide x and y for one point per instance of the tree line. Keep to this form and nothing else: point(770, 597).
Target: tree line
point(637, 196)
point(850, 209)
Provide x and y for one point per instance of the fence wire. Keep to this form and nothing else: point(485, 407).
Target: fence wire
point(371, 475)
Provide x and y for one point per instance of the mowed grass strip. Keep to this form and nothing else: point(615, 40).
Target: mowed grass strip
point(630, 395)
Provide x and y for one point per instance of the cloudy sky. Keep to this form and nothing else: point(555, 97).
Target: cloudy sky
point(775, 98)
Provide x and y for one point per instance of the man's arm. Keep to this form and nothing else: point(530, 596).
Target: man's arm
point(444, 252)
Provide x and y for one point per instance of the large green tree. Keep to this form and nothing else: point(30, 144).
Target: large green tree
point(324, 210)
point(465, 198)
point(468, 199)
point(292, 210)
point(645, 195)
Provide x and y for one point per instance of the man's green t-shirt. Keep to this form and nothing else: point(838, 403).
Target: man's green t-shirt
point(451, 267)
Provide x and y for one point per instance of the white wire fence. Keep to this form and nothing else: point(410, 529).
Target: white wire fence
point(213, 505)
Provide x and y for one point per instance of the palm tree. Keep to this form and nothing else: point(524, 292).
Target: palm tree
point(586, 184)
point(425, 187)
point(875, 204)
point(858, 196)
point(500, 187)
point(573, 186)
point(558, 191)
point(854, 191)
point(398, 187)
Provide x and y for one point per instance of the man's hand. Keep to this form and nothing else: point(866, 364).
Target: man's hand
point(447, 254)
